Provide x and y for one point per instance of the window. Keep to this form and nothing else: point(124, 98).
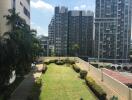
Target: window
point(26, 12)
point(14, 3)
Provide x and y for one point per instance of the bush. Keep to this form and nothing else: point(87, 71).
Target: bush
point(76, 68)
point(83, 74)
point(69, 61)
point(114, 98)
point(50, 61)
point(35, 92)
point(60, 62)
point(53, 61)
point(99, 92)
point(44, 69)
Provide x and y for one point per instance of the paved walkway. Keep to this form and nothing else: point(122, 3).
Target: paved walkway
point(23, 90)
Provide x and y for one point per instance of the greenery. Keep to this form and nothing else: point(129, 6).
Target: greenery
point(83, 74)
point(99, 92)
point(75, 49)
point(60, 61)
point(114, 98)
point(62, 83)
point(36, 90)
point(69, 61)
point(18, 48)
point(76, 68)
point(44, 69)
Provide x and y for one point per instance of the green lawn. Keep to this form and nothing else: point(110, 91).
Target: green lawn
point(62, 83)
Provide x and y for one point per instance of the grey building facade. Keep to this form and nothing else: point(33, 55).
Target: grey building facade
point(112, 30)
point(44, 42)
point(60, 31)
point(80, 32)
point(68, 28)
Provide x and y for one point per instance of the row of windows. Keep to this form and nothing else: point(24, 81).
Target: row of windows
point(26, 12)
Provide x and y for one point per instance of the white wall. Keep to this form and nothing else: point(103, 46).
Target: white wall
point(5, 5)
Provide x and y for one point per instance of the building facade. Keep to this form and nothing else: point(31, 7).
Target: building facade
point(44, 42)
point(112, 30)
point(80, 32)
point(58, 30)
point(51, 35)
point(22, 7)
point(69, 28)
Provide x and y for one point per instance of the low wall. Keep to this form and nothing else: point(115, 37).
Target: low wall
point(121, 89)
point(130, 94)
point(95, 71)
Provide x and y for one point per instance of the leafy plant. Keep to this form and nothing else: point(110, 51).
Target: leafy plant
point(99, 92)
point(83, 74)
point(76, 68)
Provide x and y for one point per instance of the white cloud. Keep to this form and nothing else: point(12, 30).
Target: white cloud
point(81, 7)
point(40, 30)
point(76, 8)
point(39, 4)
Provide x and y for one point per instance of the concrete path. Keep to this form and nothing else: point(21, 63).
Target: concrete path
point(23, 90)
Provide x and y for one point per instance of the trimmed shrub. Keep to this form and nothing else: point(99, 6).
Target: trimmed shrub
point(60, 62)
point(114, 98)
point(50, 61)
point(76, 68)
point(44, 69)
point(36, 90)
point(69, 61)
point(83, 74)
point(99, 92)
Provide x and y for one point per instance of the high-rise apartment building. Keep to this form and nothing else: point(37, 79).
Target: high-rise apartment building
point(44, 43)
point(69, 28)
point(80, 32)
point(22, 7)
point(58, 30)
point(112, 30)
point(51, 35)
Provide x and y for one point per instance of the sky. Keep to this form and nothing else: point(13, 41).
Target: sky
point(43, 10)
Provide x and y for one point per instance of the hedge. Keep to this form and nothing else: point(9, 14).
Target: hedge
point(60, 62)
point(83, 74)
point(50, 61)
point(44, 69)
point(69, 61)
point(36, 90)
point(99, 92)
point(76, 68)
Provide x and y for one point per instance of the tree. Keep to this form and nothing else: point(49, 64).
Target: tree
point(75, 49)
point(25, 41)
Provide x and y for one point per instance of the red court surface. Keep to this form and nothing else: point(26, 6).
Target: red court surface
point(123, 79)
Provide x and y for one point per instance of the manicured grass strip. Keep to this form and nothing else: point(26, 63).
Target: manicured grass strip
point(62, 83)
